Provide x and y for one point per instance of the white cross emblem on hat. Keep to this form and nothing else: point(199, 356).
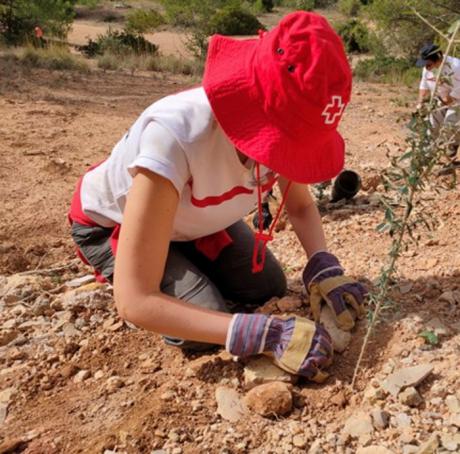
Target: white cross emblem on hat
point(333, 110)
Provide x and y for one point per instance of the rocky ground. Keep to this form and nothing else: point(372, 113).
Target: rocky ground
point(76, 379)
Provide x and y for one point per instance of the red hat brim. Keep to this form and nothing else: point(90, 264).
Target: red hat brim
point(311, 156)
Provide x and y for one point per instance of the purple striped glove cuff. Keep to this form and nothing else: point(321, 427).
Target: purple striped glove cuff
point(247, 334)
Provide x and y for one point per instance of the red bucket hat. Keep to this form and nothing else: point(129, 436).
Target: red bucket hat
point(280, 98)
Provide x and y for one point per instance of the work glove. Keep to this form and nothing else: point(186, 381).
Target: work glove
point(297, 345)
point(324, 280)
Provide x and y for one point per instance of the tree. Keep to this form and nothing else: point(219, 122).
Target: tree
point(401, 30)
point(18, 18)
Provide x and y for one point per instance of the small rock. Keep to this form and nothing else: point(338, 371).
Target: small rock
point(69, 370)
point(454, 420)
point(437, 326)
point(270, 399)
point(289, 304)
point(340, 338)
point(81, 376)
point(430, 446)
point(453, 404)
point(448, 297)
point(380, 418)
point(373, 394)
point(409, 376)
point(450, 441)
point(374, 449)
point(98, 374)
point(410, 397)
point(315, 448)
point(79, 281)
point(299, 441)
point(358, 425)
point(168, 395)
point(114, 383)
point(229, 404)
point(402, 420)
point(261, 370)
point(173, 436)
point(409, 449)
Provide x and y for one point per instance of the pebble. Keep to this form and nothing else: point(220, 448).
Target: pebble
point(410, 397)
point(358, 425)
point(402, 420)
point(81, 376)
point(114, 383)
point(453, 404)
point(374, 449)
point(380, 418)
point(299, 441)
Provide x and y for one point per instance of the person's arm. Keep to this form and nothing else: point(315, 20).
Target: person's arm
point(139, 266)
point(304, 217)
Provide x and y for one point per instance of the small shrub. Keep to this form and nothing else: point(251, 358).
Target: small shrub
point(349, 7)
point(305, 5)
point(143, 21)
point(264, 6)
point(387, 69)
point(54, 57)
point(175, 65)
point(234, 21)
point(108, 61)
point(118, 43)
point(355, 36)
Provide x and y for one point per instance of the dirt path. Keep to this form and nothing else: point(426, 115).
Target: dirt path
point(137, 395)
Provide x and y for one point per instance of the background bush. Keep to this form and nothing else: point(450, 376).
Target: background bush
point(233, 20)
point(143, 21)
point(349, 7)
point(387, 69)
point(401, 31)
point(355, 36)
point(118, 43)
point(18, 18)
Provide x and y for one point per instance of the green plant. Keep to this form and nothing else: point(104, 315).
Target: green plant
point(405, 180)
point(233, 20)
point(349, 7)
point(118, 43)
point(387, 69)
point(305, 5)
point(430, 337)
point(402, 31)
point(355, 36)
point(143, 21)
point(53, 57)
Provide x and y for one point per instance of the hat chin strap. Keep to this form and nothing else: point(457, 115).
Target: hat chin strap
point(261, 238)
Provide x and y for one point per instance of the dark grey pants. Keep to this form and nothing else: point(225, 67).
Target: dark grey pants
point(226, 284)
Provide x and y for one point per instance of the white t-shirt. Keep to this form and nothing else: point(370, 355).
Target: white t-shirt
point(178, 138)
point(451, 70)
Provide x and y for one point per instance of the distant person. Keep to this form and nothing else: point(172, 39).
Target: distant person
point(161, 217)
point(39, 39)
point(448, 90)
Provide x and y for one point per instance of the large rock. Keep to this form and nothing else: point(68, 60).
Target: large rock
point(340, 338)
point(403, 378)
point(270, 399)
point(229, 404)
point(261, 370)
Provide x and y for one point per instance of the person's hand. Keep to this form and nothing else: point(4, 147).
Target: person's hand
point(297, 345)
point(324, 280)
